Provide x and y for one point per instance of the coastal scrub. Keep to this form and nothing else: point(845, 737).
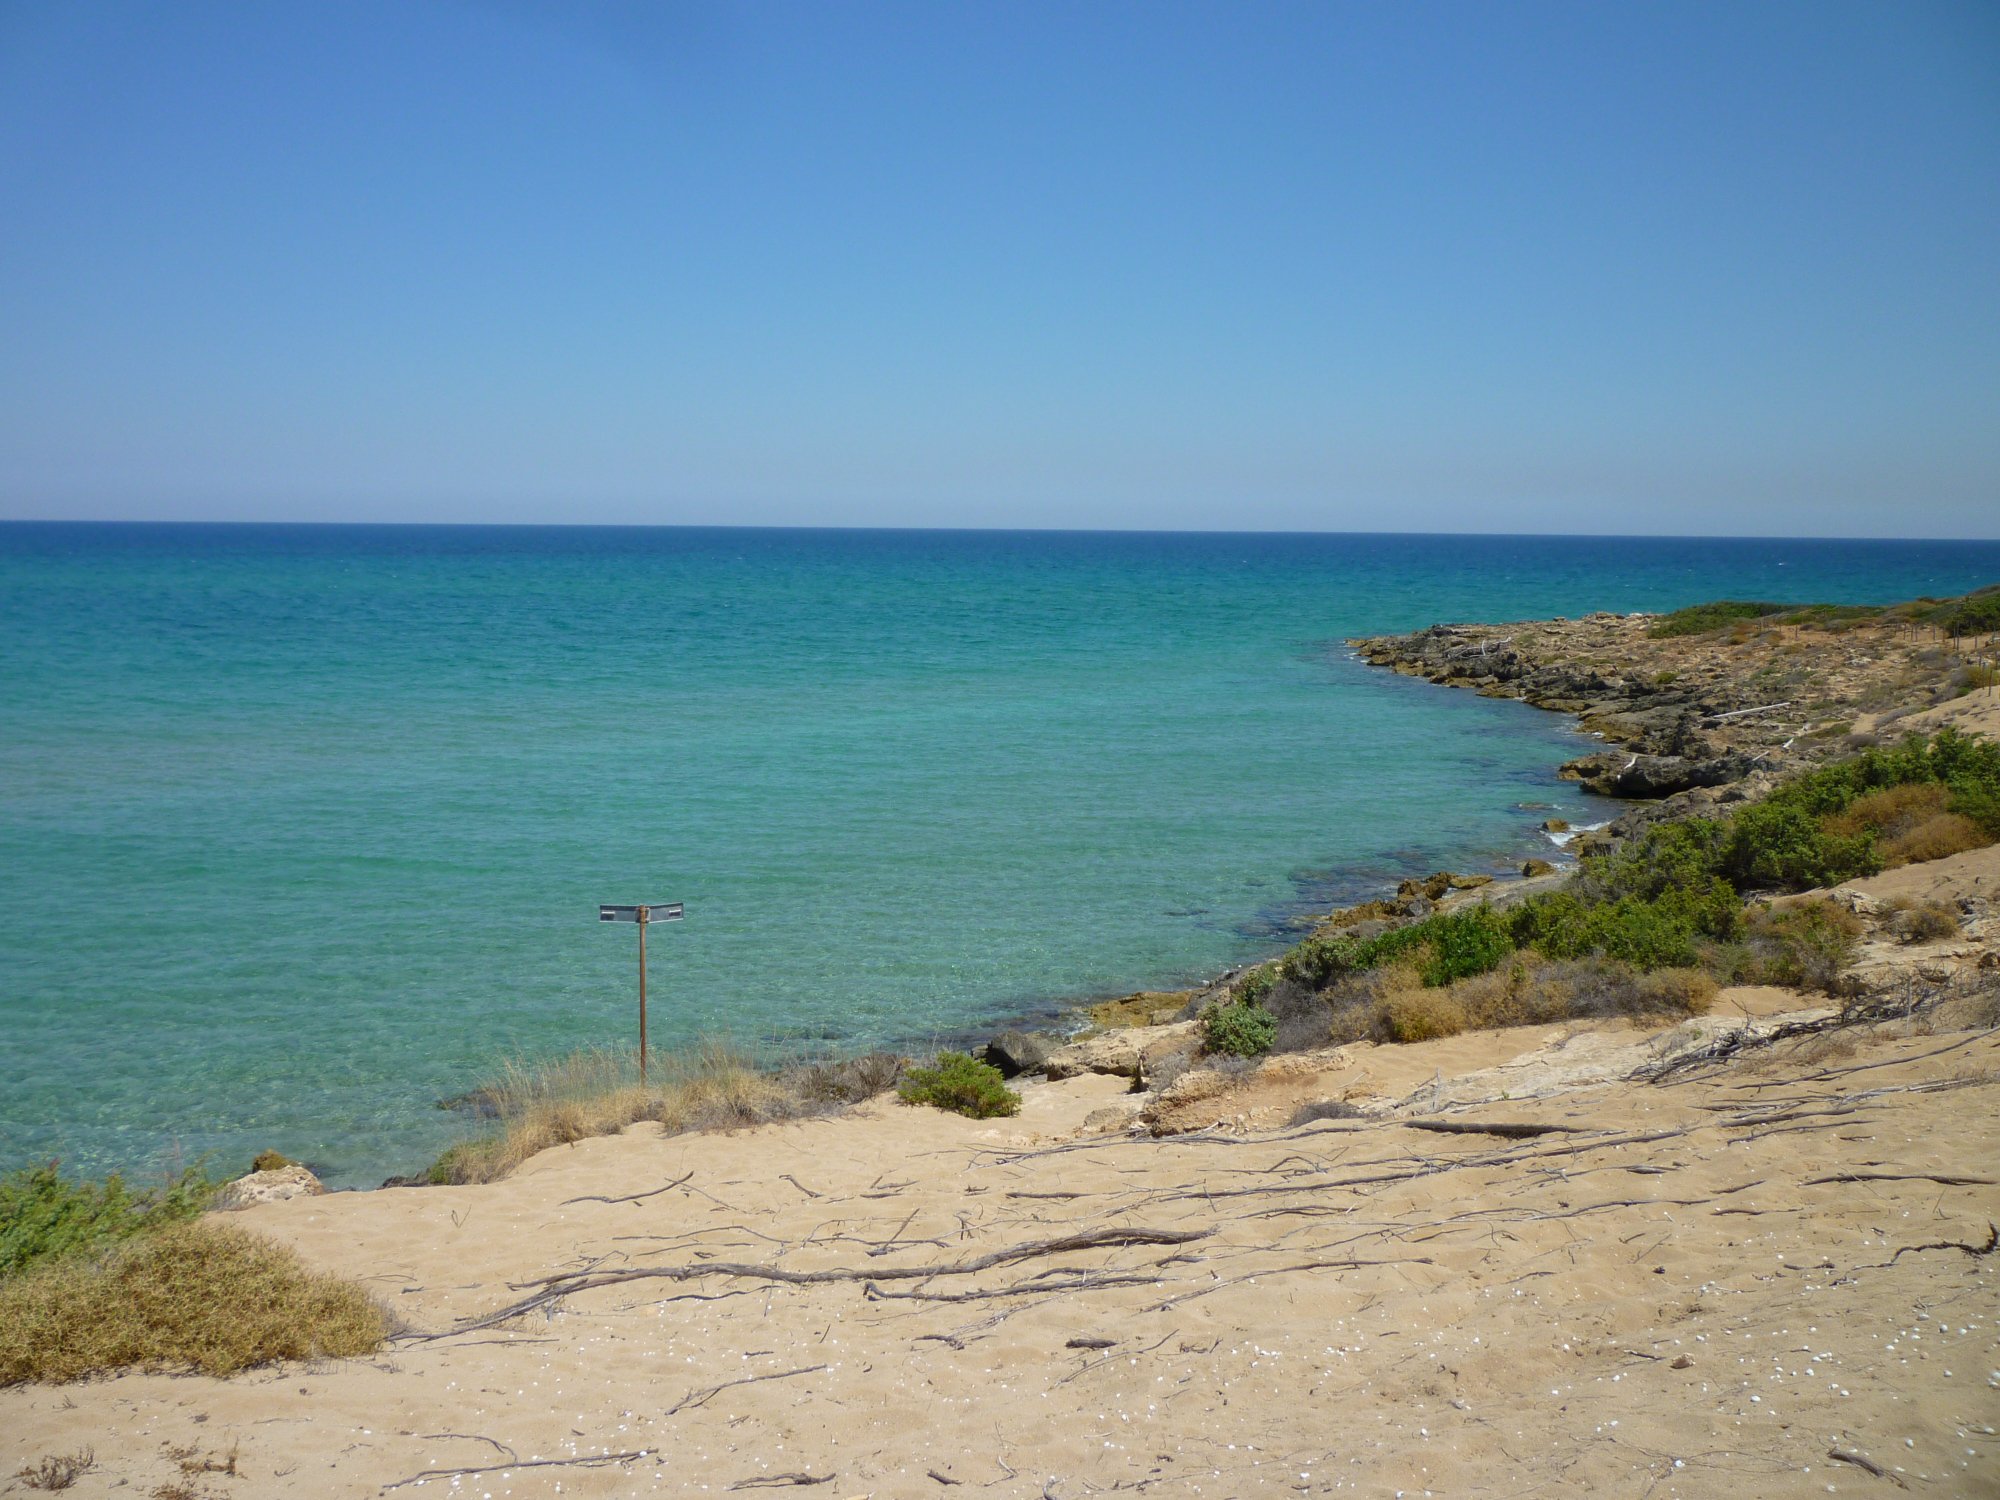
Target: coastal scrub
point(45, 1216)
point(960, 1083)
point(196, 1296)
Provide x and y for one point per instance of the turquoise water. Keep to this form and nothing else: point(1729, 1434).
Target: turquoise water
point(303, 828)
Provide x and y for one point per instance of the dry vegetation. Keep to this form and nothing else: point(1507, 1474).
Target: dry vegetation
point(200, 1296)
point(711, 1087)
point(1912, 824)
point(1393, 1004)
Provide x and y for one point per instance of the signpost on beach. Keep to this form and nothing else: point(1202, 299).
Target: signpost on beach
point(645, 916)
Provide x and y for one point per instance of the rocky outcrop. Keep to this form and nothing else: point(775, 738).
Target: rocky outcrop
point(1123, 1053)
point(272, 1186)
point(1650, 777)
point(1018, 1052)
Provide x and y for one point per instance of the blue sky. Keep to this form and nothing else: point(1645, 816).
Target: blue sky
point(1628, 268)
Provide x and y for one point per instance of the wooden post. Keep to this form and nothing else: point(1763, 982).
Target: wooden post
point(645, 915)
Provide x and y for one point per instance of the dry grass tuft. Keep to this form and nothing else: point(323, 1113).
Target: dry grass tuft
point(58, 1471)
point(203, 1297)
point(712, 1086)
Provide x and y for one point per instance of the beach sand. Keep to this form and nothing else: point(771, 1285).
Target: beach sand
point(1690, 1289)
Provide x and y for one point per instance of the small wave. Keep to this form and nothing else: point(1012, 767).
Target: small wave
point(1562, 840)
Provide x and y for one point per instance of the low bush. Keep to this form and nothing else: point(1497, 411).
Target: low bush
point(1239, 1029)
point(1421, 1016)
point(1781, 846)
point(1808, 946)
point(1923, 921)
point(202, 1297)
point(962, 1084)
point(1891, 812)
point(1302, 1016)
point(1978, 613)
point(1940, 838)
point(1699, 619)
point(44, 1216)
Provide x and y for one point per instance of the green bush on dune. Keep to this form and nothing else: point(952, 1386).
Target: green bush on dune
point(961, 1084)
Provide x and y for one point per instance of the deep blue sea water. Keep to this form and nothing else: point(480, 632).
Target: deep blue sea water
point(303, 828)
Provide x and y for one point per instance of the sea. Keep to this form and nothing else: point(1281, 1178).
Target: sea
point(304, 829)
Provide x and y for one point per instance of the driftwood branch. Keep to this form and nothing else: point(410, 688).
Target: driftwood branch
point(702, 1397)
point(1866, 1465)
point(564, 1284)
point(1512, 1130)
point(779, 1481)
point(591, 1461)
point(634, 1197)
point(1975, 1251)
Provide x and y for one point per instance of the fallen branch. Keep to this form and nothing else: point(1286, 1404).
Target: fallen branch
point(1081, 1281)
point(1306, 1265)
point(564, 1284)
point(778, 1481)
point(1975, 1251)
point(702, 1397)
point(1938, 1177)
point(1866, 1465)
point(1512, 1130)
point(633, 1198)
point(593, 1461)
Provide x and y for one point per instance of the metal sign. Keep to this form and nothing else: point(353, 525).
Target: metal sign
point(645, 916)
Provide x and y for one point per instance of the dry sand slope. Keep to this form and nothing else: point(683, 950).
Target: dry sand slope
point(1701, 1287)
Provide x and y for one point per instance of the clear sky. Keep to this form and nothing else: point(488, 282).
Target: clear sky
point(1639, 268)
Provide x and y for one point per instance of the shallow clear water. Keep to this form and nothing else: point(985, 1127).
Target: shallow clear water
point(303, 828)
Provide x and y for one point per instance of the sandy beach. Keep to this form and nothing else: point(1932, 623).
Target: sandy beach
point(1756, 1279)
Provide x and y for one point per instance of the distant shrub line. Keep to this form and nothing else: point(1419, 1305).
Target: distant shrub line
point(1670, 901)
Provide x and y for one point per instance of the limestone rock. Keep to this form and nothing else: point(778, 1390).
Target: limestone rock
point(1111, 1117)
point(273, 1186)
point(1119, 1053)
point(1533, 867)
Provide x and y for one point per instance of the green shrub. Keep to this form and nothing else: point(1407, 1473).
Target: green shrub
point(961, 1084)
point(1699, 619)
point(1779, 845)
point(44, 1217)
point(1975, 614)
point(1464, 943)
point(1240, 1029)
point(1255, 985)
point(1685, 854)
point(1318, 961)
point(1663, 932)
